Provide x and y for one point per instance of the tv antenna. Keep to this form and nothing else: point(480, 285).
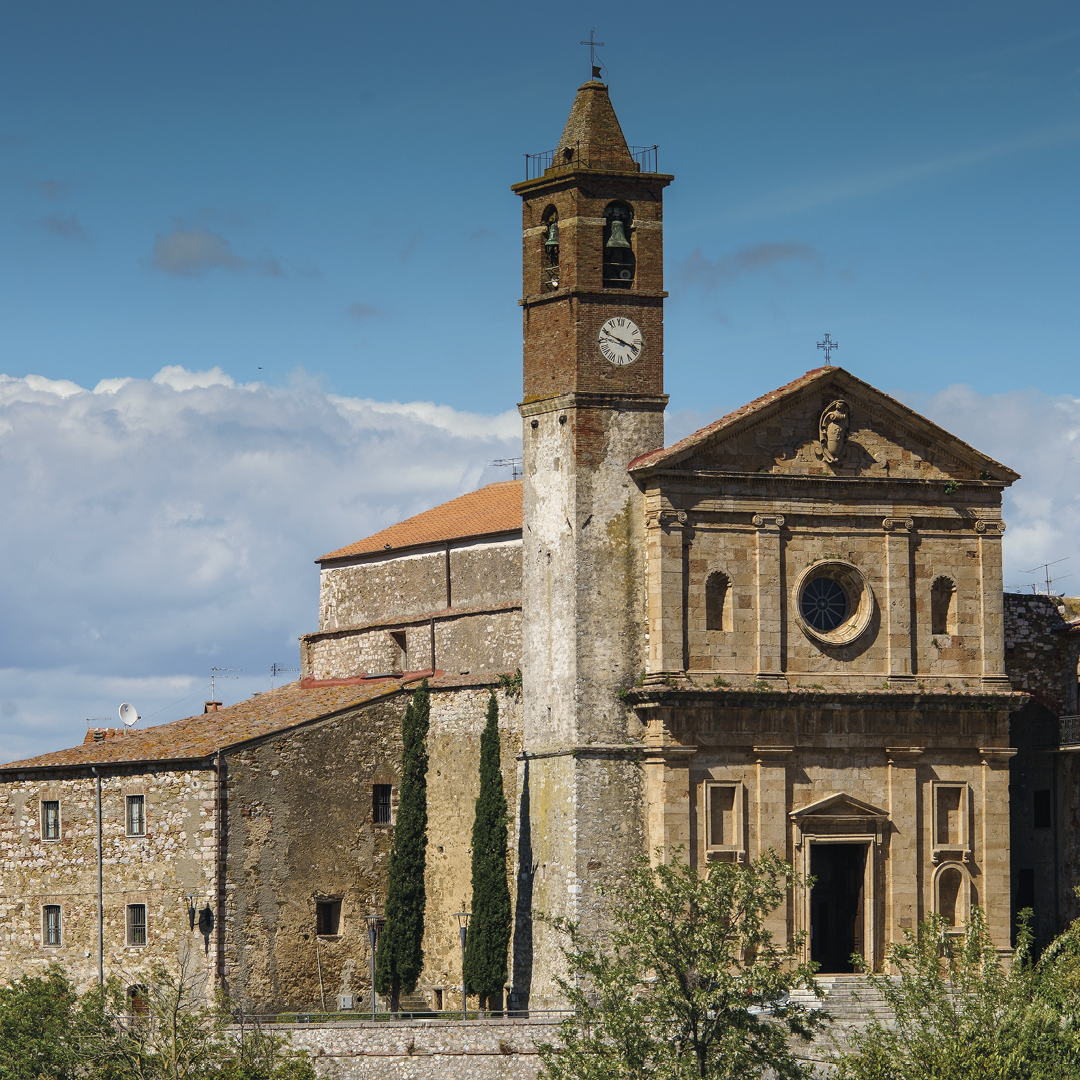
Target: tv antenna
point(1045, 569)
point(129, 715)
point(514, 464)
point(276, 670)
point(215, 675)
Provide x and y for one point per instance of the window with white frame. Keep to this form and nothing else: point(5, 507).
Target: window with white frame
point(52, 931)
point(50, 819)
point(136, 815)
point(136, 924)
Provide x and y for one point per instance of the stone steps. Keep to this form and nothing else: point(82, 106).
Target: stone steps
point(849, 999)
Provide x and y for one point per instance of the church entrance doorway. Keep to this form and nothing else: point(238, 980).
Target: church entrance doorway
point(837, 905)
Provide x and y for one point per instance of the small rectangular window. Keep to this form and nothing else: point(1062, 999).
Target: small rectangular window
point(1043, 810)
point(136, 924)
point(381, 804)
point(50, 820)
point(51, 924)
point(949, 825)
point(327, 917)
point(1025, 889)
point(136, 815)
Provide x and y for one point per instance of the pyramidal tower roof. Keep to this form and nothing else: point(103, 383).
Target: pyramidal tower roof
point(592, 132)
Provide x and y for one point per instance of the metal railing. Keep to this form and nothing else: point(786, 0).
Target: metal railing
point(576, 157)
point(1069, 731)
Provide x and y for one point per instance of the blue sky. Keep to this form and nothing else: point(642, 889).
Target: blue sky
point(314, 198)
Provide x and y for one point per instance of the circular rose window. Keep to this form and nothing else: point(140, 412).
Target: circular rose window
point(833, 602)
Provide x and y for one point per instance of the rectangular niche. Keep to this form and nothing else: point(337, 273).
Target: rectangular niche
point(951, 822)
point(724, 820)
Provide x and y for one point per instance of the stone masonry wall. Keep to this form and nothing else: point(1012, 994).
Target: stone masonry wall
point(465, 643)
point(174, 859)
point(302, 830)
point(483, 573)
point(1038, 661)
point(423, 1050)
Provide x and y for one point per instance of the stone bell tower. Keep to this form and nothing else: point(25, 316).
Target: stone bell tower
point(593, 401)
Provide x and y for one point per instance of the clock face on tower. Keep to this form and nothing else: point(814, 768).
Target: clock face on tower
point(620, 341)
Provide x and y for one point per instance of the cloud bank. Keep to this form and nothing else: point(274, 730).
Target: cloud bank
point(154, 528)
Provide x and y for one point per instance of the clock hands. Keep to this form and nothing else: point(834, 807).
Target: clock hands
point(625, 344)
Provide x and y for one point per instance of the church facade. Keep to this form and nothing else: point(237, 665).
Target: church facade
point(787, 632)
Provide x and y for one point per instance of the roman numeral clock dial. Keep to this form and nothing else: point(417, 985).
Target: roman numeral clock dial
point(620, 341)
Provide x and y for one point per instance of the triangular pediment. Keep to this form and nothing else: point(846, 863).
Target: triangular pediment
point(840, 805)
point(828, 423)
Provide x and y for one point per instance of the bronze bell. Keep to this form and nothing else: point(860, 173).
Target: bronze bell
point(552, 240)
point(617, 239)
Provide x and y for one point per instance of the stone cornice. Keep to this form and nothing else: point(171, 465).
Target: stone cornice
point(581, 399)
point(653, 697)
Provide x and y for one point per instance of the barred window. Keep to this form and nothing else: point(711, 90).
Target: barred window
point(136, 815)
point(327, 917)
point(381, 804)
point(50, 918)
point(136, 924)
point(50, 820)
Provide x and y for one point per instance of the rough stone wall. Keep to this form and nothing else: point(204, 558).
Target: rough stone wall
point(1047, 852)
point(300, 830)
point(465, 643)
point(419, 1050)
point(1038, 661)
point(583, 638)
point(457, 721)
point(175, 858)
point(412, 584)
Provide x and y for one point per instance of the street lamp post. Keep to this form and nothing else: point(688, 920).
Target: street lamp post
point(463, 930)
point(373, 924)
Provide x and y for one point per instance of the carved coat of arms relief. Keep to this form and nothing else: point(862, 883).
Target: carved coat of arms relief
point(833, 428)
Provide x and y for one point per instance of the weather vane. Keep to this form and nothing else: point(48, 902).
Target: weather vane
point(828, 346)
point(593, 43)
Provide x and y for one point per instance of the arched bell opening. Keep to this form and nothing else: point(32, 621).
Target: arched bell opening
point(549, 250)
point(619, 263)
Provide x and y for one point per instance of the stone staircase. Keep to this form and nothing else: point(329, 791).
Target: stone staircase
point(850, 999)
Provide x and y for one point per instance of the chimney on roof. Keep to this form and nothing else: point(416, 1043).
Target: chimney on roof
point(211, 706)
point(99, 735)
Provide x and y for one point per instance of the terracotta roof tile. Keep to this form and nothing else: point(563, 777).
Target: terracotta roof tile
point(493, 509)
point(198, 737)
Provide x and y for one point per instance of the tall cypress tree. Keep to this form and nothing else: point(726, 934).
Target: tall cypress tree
point(399, 958)
point(489, 929)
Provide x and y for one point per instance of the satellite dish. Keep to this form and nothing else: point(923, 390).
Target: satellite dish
point(128, 714)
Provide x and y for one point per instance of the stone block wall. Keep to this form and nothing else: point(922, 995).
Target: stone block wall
point(466, 642)
point(176, 858)
point(406, 585)
point(1038, 661)
point(423, 1050)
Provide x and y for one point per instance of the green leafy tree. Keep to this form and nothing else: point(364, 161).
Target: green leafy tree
point(690, 982)
point(36, 1040)
point(47, 1033)
point(489, 929)
point(399, 958)
point(961, 1013)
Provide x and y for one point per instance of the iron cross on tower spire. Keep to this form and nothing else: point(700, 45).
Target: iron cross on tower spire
point(593, 43)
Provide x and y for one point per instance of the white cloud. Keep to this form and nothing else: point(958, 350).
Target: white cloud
point(156, 527)
point(179, 378)
point(194, 251)
point(1039, 437)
